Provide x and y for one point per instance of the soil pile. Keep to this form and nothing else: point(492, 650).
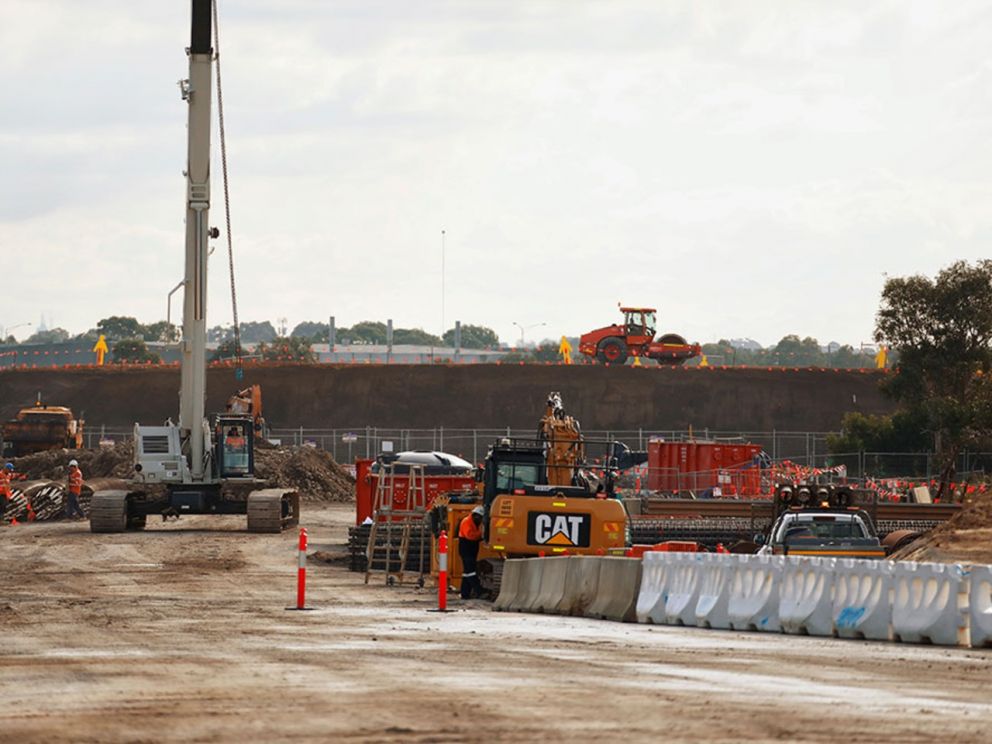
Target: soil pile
point(111, 462)
point(312, 472)
point(965, 538)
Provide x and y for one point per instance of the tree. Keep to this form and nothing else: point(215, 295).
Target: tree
point(134, 351)
point(220, 333)
point(52, 336)
point(367, 332)
point(225, 350)
point(942, 331)
point(414, 337)
point(903, 431)
point(160, 331)
point(118, 327)
point(473, 337)
point(791, 352)
point(285, 349)
point(253, 333)
point(316, 332)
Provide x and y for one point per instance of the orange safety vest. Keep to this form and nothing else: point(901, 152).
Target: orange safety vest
point(75, 481)
point(468, 530)
point(5, 483)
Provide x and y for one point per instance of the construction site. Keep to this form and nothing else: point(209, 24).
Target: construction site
point(630, 547)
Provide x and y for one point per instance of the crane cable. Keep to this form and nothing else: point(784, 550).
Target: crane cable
point(238, 368)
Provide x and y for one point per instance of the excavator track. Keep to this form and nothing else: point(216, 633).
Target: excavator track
point(108, 511)
point(271, 510)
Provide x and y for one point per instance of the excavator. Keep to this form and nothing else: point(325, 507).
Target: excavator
point(248, 402)
point(200, 464)
point(544, 496)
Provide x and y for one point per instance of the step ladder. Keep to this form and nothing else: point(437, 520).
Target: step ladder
point(390, 523)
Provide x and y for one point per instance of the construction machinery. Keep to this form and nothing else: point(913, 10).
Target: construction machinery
point(42, 427)
point(616, 343)
point(553, 494)
point(248, 402)
point(199, 465)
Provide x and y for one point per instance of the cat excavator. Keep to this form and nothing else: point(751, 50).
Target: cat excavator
point(554, 494)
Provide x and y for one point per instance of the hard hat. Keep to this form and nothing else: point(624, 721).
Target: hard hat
point(73, 464)
point(9, 466)
point(479, 510)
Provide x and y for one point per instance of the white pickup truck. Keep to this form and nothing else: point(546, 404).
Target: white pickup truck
point(826, 533)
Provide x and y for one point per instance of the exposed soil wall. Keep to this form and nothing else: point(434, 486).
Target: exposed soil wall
point(484, 396)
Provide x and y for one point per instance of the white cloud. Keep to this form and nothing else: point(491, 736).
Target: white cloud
point(752, 169)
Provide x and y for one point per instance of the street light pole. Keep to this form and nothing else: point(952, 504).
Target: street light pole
point(526, 328)
point(4, 332)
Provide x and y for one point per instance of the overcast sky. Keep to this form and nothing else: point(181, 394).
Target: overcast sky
point(749, 168)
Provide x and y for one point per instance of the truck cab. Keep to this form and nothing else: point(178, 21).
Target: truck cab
point(839, 534)
point(820, 520)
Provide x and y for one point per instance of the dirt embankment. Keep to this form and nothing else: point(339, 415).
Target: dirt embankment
point(965, 538)
point(472, 396)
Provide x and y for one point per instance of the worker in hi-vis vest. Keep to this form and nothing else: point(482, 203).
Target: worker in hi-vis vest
point(469, 539)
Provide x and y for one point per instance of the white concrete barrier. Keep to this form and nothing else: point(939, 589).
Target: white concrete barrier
point(716, 571)
point(930, 603)
point(655, 576)
point(863, 599)
point(753, 602)
point(806, 599)
point(980, 606)
point(683, 589)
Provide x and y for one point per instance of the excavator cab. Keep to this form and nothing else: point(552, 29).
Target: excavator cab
point(235, 451)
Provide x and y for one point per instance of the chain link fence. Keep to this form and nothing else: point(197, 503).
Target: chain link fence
point(803, 448)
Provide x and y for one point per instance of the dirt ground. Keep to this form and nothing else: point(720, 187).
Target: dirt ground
point(180, 634)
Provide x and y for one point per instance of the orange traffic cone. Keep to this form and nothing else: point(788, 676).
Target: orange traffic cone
point(13, 521)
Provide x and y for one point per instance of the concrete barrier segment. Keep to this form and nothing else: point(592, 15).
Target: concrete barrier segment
point(509, 584)
point(554, 574)
point(581, 585)
point(619, 583)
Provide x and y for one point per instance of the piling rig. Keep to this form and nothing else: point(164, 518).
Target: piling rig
point(199, 465)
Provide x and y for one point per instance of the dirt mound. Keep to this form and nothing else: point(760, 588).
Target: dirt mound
point(964, 538)
point(312, 472)
point(111, 462)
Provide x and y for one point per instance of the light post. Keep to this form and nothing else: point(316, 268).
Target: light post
point(523, 329)
point(4, 332)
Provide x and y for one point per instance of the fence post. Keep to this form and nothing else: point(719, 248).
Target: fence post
point(475, 446)
point(441, 440)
